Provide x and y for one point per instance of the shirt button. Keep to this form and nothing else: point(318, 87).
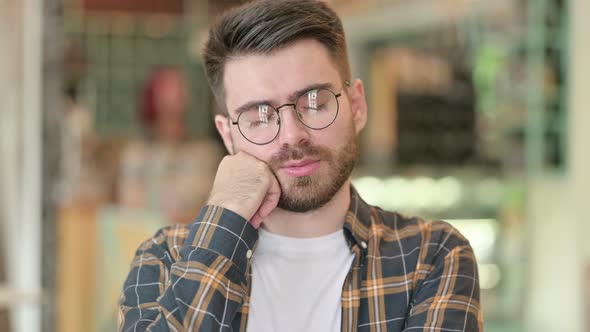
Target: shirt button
point(364, 244)
point(249, 254)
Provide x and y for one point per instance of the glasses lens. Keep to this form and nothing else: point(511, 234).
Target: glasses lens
point(318, 108)
point(259, 124)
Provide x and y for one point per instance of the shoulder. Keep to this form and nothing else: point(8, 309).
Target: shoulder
point(165, 244)
point(415, 233)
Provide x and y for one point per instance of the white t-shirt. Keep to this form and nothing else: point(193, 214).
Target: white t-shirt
point(297, 283)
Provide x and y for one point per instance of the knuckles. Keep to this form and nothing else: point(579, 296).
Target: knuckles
point(242, 171)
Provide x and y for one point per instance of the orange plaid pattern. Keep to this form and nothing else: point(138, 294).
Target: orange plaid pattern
point(408, 274)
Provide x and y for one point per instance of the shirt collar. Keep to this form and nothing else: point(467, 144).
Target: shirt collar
point(358, 220)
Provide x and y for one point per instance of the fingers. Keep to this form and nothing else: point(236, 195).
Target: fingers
point(247, 186)
point(272, 197)
point(256, 221)
point(268, 204)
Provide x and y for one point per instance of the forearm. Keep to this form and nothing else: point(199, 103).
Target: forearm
point(200, 291)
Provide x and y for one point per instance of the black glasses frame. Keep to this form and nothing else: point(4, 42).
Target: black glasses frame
point(277, 109)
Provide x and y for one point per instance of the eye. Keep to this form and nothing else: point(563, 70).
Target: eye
point(316, 107)
point(314, 101)
point(258, 124)
point(261, 116)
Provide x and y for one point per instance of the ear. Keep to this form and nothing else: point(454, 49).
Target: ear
point(222, 125)
point(358, 104)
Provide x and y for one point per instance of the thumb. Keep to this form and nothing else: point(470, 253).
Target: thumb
point(271, 200)
point(256, 220)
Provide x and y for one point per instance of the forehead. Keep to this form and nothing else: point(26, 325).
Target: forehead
point(273, 77)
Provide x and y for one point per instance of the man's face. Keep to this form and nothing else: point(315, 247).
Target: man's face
point(310, 165)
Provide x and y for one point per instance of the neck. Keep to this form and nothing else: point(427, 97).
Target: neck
point(323, 221)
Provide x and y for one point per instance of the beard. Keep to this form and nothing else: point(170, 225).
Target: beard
point(307, 193)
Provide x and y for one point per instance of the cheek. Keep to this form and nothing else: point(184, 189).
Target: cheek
point(339, 131)
point(262, 152)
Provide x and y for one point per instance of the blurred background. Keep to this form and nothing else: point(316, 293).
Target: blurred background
point(477, 116)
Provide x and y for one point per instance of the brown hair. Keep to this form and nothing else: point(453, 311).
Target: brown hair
point(264, 26)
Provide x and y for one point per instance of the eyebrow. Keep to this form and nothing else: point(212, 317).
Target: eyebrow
point(291, 97)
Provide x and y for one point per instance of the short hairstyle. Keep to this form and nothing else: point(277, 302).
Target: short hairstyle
point(264, 26)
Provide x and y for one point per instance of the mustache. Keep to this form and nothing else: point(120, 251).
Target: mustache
point(298, 152)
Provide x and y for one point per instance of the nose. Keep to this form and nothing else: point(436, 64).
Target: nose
point(292, 131)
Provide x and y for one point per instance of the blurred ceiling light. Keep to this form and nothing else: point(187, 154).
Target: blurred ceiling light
point(449, 192)
point(396, 188)
point(419, 193)
point(489, 192)
point(422, 192)
point(481, 233)
point(489, 276)
point(371, 189)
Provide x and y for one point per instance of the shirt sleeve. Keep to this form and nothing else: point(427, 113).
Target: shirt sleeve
point(447, 299)
point(201, 290)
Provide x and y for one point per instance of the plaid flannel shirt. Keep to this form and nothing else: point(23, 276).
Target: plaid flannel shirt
point(408, 274)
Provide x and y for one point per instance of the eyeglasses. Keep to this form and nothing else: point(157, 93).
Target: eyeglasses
point(317, 109)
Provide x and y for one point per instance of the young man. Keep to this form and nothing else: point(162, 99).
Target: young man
point(285, 243)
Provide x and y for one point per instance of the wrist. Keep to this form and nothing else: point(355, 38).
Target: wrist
point(224, 232)
point(227, 205)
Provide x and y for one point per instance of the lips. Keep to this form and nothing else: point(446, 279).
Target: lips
point(300, 167)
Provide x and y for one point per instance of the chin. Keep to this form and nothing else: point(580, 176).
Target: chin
point(308, 193)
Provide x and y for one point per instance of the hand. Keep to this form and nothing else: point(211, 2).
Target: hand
point(246, 186)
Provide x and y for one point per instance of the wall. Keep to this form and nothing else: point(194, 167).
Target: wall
point(558, 203)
